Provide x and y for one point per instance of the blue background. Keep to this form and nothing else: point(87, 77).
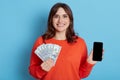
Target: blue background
point(22, 21)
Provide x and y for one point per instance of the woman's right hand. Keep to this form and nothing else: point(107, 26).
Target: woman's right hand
point(47, 65)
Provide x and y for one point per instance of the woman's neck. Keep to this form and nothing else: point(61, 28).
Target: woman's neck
point(60, 36)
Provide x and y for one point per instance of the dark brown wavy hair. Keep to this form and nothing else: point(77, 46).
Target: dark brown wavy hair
point(50, 33)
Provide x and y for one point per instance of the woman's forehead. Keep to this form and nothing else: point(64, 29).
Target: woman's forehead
point(61, 11)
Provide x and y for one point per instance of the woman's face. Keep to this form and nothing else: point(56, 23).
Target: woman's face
point(61, 20)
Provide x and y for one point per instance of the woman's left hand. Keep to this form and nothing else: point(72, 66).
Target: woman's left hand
point(90, 58)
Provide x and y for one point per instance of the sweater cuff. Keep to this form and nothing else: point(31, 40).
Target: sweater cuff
point(40, 72)
point(89, 65)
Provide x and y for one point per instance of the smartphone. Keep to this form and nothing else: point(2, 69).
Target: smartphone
point(97, 51)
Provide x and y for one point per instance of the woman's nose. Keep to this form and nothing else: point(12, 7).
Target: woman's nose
point(60, 19)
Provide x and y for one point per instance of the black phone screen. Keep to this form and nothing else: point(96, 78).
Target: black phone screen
point(97, 51)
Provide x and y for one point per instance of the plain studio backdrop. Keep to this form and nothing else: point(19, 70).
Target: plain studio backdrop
point(22, 21)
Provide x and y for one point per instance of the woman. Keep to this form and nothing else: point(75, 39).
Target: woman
point(72, 62)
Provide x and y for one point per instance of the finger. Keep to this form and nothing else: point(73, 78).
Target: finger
point(45, 66)
point(50, 62)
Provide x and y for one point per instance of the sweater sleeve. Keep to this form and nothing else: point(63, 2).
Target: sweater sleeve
point(85, 67)
point(34, 68)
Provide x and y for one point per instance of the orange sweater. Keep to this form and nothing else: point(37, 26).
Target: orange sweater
point(70, 65)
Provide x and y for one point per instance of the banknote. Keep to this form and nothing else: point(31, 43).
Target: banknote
point(46, 51)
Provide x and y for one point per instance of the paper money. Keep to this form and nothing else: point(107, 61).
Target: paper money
point(46, 51)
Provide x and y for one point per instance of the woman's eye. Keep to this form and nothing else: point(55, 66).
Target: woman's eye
point(65, 16)
point(56, 16)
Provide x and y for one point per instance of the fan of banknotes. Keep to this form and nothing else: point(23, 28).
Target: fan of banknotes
point(46, 51)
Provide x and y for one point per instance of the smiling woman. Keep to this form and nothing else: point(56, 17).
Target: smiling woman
point(72, 61)
point(60, 14)
point(61, 21)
